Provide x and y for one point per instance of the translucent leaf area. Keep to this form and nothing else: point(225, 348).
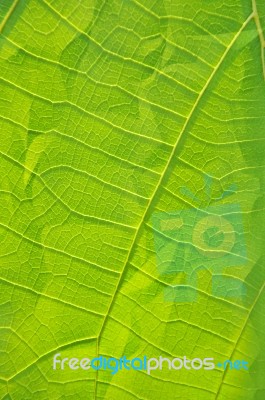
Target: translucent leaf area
point(128, 128)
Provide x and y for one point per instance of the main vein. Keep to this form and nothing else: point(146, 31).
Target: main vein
point(171, 158)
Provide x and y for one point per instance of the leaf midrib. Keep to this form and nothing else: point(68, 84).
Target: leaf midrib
point(173, 153)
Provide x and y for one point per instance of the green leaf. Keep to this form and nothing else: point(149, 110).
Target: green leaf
point(124, 125)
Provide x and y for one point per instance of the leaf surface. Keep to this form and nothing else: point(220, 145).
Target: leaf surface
point(117, 116)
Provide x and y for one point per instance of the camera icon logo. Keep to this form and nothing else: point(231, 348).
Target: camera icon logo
point(211, 238)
